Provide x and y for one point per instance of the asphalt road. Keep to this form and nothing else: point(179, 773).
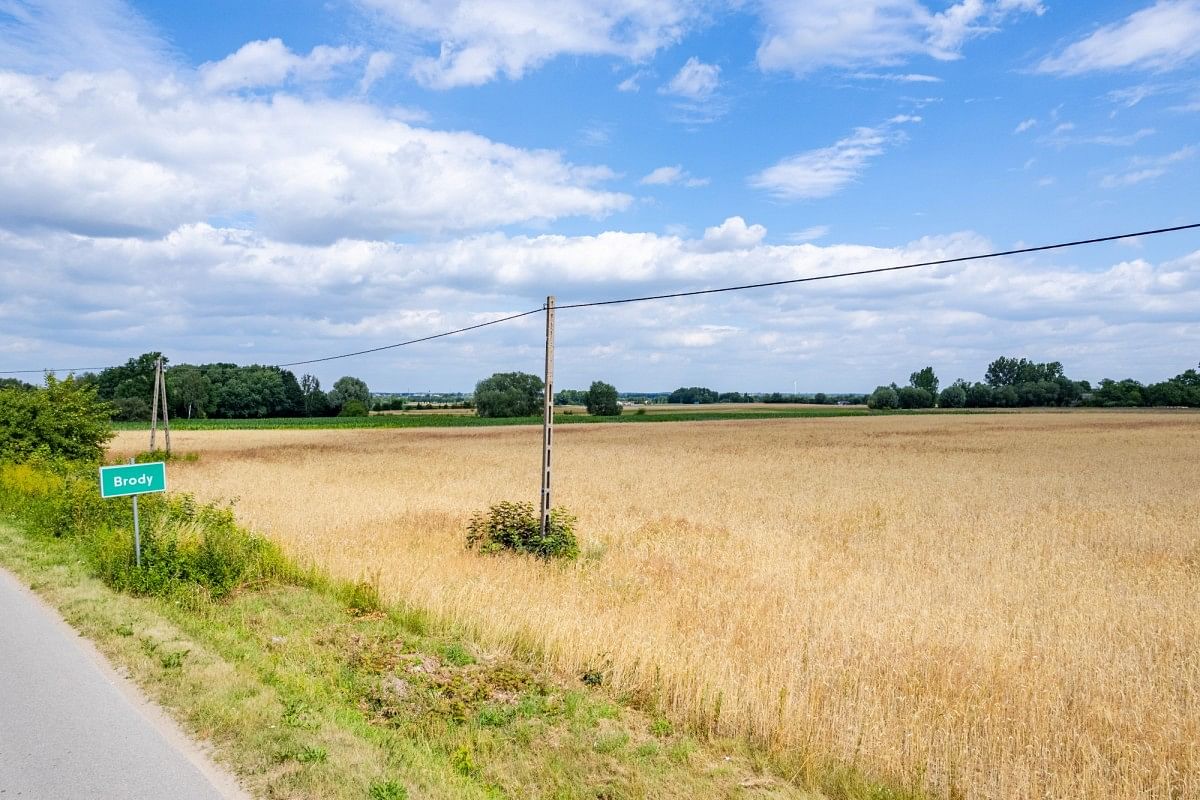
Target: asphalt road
point(72, 729)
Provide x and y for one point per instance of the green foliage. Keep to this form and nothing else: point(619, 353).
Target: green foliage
point(347, 390)
point(509, 394)
point(692, 395)
point(354, 408)
point(924, 379)
point(515, 527)
point(388, 790)
point(953, 396)
point(571, 397)
point(63, 420)
point(910, 397)
point(602, 400)
point(361, 597)
point(883, 398)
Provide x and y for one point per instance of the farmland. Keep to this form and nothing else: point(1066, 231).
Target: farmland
point(976, 605)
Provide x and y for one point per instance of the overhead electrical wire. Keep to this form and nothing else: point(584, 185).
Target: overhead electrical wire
point(696, 292)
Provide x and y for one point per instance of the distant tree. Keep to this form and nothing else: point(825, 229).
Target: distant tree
point(188, 389)
point(571, 397)
point(602, 400)
point(884, 397)
point(313, 400)
point(980, 395)
point(134, 378)
point(912, 397)
point(953, 396)
point(1120, 393)
point(692, 394)
point(354, 408)
point(14, 383)
point(348, 388)
point(820, 398)
point(924, 379)
point(508, 394)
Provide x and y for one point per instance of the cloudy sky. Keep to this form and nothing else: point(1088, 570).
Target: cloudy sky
point(274, 181)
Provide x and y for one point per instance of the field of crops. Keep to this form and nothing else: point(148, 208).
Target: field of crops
point(461, 418)
point(981, 605)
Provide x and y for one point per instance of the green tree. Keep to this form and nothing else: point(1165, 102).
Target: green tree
point(953, 396)
point(884, 397)
point(692, 394)
point(349, 388)
point(602, 400)
point(924, 379)
point(508, 394)
point(354, 408)
point(314, 402)
point(912, 397)
point(189, 389)
point(65, 419)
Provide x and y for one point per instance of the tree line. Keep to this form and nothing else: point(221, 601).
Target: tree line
point(224, 391)
point(1019, 382)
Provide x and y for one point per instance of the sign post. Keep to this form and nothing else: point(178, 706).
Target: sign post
point(130, 480)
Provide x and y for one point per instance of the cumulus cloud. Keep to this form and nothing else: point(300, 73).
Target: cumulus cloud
point(732, 234)
point(212, 293)
point(481, 40)
point(1161, 37)
point(826, 170)
point(845, 34)
point(109, 153)
point(269, 63)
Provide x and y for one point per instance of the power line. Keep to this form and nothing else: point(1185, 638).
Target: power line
point(412, 341)
point(875, 270)
point(696, 292)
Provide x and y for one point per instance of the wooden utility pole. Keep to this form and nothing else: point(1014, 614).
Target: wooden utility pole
point(154, 400)
point(160, 393)
point(548, 415)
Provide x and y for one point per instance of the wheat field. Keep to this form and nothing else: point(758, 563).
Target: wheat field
point(999, 606)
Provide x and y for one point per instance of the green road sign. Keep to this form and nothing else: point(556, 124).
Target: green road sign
point(127, 479)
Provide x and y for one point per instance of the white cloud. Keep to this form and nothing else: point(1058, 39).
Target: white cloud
point(670, 175)
point(481, 40)
point(899, 77)
point(732, 234)
point(1141, 168)
point(213, 293)
point(108, 152)
point(630, 84)
point(844, 34)
point(825, 171)
point(1161, 37)
point(695, 80)
point(55, 36)
point(268, 63)
point(1025, 125)
point(809, 234)
point(378, 65)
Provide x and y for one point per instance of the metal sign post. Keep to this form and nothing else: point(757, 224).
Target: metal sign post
point(548, 415)
point(134, 479)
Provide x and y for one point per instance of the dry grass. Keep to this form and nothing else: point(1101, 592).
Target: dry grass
point(990, 606)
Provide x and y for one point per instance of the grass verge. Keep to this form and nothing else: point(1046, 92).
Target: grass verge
point(308, 688)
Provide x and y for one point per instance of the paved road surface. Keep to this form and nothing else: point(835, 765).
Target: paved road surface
point(72, 729)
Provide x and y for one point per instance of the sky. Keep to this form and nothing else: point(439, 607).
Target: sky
point(274, 181)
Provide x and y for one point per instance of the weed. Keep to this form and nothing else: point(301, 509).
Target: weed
point(361, 598)
point(388, 790)
point(515, 527)
point(174, 660)
point(312, 755)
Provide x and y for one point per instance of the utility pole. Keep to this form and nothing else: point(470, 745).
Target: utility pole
point(160, 393)
point(154, 400)
point(548, 415)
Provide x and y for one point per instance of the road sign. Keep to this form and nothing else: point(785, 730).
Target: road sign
point(127, 479)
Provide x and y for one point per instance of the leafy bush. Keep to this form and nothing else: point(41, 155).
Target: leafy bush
point(62, 420)
point(883, 398)
point(515, 527)
point(602, 400)
point(509, 394)
point(354, 408)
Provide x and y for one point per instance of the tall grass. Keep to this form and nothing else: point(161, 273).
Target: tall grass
point(982, 606)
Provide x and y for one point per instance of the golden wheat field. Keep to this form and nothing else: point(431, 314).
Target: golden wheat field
point(998, 606)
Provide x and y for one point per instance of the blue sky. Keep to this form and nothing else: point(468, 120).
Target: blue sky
point(267, 182)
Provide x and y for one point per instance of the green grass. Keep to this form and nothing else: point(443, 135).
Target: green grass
point(470, 421)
